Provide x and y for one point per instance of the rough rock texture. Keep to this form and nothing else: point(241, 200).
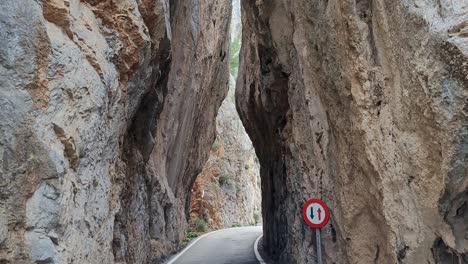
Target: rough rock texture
point(364, 104)
point(227, 191)
point(107, 114)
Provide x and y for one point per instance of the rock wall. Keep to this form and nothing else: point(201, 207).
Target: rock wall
point(364, 104)
point(107, 114)
point(228, 191)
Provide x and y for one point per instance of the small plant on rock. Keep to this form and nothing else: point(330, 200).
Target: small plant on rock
point(191, 234)
point(238, 188)
point(216, 145)
point(201, 225)
point(256, 217)
point(224, 180)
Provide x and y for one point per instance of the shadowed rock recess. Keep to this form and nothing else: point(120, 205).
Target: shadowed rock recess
point(107, 114)
point(364, 104)
point(108, 107)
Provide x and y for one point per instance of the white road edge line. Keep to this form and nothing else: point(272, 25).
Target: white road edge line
point(171, 261)
point(257, 254)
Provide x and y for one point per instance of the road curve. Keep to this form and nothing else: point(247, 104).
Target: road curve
point(226, 246)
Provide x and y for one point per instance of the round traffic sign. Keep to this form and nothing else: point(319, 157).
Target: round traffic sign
point(315, 213)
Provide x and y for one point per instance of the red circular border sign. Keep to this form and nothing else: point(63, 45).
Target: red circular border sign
point(304, 213)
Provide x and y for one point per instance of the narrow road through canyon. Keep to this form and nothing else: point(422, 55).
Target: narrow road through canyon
point(227, 246)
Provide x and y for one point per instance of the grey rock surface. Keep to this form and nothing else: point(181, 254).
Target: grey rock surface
point(107, 114)
point(362, 104)
point(228, 192)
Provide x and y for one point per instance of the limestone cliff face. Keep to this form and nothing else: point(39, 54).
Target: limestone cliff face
point(363, 104)
point(227, 191)
point(107, 114)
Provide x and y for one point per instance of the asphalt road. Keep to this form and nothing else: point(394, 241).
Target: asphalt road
point(227, 246)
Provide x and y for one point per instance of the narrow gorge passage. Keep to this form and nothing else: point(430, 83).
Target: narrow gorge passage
point(227, 246)
point(227, 192)
point(110, 110)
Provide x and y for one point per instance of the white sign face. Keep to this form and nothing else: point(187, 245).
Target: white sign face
point(316, 213)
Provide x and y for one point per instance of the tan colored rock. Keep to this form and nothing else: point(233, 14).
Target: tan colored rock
point(227, 191)
point(362, 104)
point(107, 114)
point(169, 152)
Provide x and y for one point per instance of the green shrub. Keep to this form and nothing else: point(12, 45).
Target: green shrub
point(234, 60)
point(247, 166)
point(201, 225)
point(256, 217)
point(238, 188)
point(236, 225)
point(224, 179)
point(191, 234)
point(216, 145)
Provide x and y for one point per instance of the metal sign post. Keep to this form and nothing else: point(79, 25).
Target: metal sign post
point(316, 215)
point(319, 246)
